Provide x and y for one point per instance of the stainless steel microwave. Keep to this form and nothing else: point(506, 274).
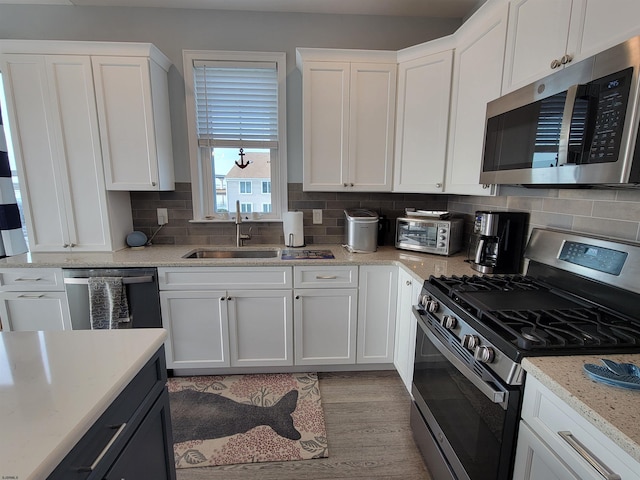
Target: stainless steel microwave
point(442, 237)
point(578, 126)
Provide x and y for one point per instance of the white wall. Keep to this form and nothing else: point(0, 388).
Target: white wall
point(173, 30)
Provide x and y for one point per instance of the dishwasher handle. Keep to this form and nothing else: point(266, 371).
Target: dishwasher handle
point(125, 280)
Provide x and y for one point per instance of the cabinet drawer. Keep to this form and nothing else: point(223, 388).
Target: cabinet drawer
point(325, 276)
point(223, 278)
point(110, 433)
point(548, 415)
point(31, 279)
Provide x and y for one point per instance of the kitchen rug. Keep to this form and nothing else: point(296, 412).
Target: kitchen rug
point(222, 420)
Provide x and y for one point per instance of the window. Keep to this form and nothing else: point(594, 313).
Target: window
point(237, 131)
point(266, 208)
point(246, 208)
point(245, 187)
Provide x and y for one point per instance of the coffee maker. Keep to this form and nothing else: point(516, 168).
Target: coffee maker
point(497, 242)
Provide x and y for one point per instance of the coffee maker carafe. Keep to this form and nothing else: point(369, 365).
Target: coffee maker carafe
point(497, 242)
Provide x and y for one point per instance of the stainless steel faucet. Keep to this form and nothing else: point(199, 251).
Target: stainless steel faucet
point(240, 237)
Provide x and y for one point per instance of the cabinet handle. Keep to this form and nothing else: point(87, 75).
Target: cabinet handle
point(33, 279)
point(104, 450)
point(31, 295)
point(555, 63)
point(566, 59)
point(326, 277)
point(584, 452)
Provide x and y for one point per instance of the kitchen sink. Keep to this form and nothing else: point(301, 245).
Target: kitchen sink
point(239, 253)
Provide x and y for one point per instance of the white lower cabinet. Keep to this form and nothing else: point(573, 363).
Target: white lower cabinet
point(325, 326)
point(211, 325)
point(33, 299)
point(405, 338)
point(198, 328)
point(377, 299)
point(260, 327)
point(555, 441)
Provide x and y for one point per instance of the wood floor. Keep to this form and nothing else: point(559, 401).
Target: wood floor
point(367, 419)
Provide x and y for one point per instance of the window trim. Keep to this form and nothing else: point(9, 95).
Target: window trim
point(202, 195)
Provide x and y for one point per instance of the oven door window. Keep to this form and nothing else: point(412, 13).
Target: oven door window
point(474, 426)
point(418, 234)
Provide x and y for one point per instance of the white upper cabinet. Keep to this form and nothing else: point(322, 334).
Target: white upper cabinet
point(422, 119)
point(349, 100)
point(477, 78)
point(132, 99)
point(54, 133)
point(546, 35)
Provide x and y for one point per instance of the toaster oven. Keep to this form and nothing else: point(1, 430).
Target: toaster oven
point(429, 235)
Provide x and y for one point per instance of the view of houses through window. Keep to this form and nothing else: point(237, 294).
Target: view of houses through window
point(250, 185)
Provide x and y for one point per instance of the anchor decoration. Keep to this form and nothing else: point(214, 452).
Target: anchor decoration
point(242, 163)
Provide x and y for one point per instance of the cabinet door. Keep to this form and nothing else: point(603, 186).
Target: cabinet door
point(377, 302)
point(27, 311)
point(477, 79)
point(80, 160)
point(537, 35)
point(424, 91)
point(372, 99)
point(198, 328)
point(325, 93)
point(125, 112)
point(36, 142)
point(325, 326)
point(603, 26)
point(149, 452)
point(405, 341)
point(536, 461)
point(260, 327)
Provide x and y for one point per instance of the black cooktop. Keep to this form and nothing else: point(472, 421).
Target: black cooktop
point(535, 317)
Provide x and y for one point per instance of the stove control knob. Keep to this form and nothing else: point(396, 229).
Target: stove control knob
point(484, 354)
point(470, 342)
point(449, 322)
point(423, 299)
point(432, 305)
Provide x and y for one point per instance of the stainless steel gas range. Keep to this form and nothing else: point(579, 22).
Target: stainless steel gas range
point(579, 296)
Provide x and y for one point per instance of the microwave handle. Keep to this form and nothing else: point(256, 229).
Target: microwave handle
point(565, 128)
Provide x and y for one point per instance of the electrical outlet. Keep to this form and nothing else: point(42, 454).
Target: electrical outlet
point(163, 216)
point(317, 217)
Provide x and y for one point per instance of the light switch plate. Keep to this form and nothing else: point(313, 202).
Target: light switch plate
point(317, 216)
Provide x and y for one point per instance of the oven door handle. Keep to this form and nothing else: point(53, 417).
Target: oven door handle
point(496, 396)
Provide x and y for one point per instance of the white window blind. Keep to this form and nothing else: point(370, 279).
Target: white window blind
point(236, 102)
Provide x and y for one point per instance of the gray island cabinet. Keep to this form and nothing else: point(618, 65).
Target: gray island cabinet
point(85, 405)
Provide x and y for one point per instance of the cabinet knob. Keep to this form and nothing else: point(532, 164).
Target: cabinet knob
point(438, 185)
point(72, 245)
point(229, 298)
point(297, 297)
point(566, 59)
point(555, 63)
point(351, 184)
point(346, 185)
point(408, 282)
point(66, 245)
point(222, 299)
point(153, 184)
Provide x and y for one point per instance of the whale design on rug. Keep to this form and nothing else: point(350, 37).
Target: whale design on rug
point(192, 407)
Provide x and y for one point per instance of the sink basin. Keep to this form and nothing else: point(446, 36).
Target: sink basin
point(239, 253)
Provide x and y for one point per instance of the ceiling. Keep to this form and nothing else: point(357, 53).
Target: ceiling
point(413, 8)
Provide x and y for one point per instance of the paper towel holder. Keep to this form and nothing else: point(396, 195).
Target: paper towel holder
point(291, 242)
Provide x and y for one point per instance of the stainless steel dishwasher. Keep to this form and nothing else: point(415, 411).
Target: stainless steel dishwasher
point(141, 285)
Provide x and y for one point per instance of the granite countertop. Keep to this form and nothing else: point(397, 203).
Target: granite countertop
point(55, 385)
point(421, 265)
point(614, 411)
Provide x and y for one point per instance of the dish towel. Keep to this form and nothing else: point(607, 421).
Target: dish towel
point(108, 306)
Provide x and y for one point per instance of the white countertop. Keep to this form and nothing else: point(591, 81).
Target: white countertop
point(614, 411)
point(421, 265)
point(55, 385)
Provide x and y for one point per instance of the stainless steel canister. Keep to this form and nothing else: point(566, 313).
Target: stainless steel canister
point(361, 230)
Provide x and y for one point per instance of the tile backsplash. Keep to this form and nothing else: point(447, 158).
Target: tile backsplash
point(607, 212)
point(612, 213)
point(180, 231)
